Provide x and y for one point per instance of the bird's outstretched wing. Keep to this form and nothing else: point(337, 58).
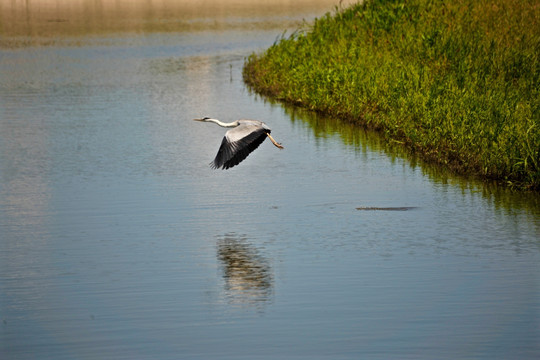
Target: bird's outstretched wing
point(237, 144)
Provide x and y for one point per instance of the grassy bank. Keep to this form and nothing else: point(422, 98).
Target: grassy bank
point(455, 81)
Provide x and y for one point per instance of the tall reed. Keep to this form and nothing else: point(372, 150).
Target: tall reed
point(455, 81)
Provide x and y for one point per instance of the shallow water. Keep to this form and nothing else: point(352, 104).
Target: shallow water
point(119, 241)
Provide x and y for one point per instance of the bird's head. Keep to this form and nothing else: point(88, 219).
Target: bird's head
point(206, 118)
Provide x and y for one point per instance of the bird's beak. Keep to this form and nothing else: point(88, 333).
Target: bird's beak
point(198, 119)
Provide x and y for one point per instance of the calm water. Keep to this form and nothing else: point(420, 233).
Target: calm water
point(118, 241)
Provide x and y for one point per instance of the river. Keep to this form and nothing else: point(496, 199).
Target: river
point(118, 241)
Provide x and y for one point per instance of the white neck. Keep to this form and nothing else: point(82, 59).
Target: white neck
point(223, 124)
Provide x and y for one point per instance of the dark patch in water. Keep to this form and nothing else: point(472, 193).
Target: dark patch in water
point(400, 208)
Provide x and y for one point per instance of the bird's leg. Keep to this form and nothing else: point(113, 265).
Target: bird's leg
point(278, 145)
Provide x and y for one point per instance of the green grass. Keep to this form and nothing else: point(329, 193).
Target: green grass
point(457, 82)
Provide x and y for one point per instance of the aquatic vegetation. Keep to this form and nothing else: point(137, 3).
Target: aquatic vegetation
point(457, 82)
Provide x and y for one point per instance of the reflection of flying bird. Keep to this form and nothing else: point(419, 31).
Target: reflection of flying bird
point(247, 274)
point(244, 137)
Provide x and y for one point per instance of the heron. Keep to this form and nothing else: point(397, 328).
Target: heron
point(243, 138)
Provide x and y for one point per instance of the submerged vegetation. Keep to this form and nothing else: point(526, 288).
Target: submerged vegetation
point(455, 81)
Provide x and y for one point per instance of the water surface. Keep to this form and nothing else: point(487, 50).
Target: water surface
point(117, 240)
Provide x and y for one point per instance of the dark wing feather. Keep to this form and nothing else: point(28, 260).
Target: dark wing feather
point(231, 153)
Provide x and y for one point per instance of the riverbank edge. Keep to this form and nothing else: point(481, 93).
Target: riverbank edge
point(313, 68)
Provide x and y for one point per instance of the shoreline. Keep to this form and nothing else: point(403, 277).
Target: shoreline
point(459, 93)
point(53, 18)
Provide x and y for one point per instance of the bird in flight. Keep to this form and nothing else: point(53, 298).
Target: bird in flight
point(244, 137)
